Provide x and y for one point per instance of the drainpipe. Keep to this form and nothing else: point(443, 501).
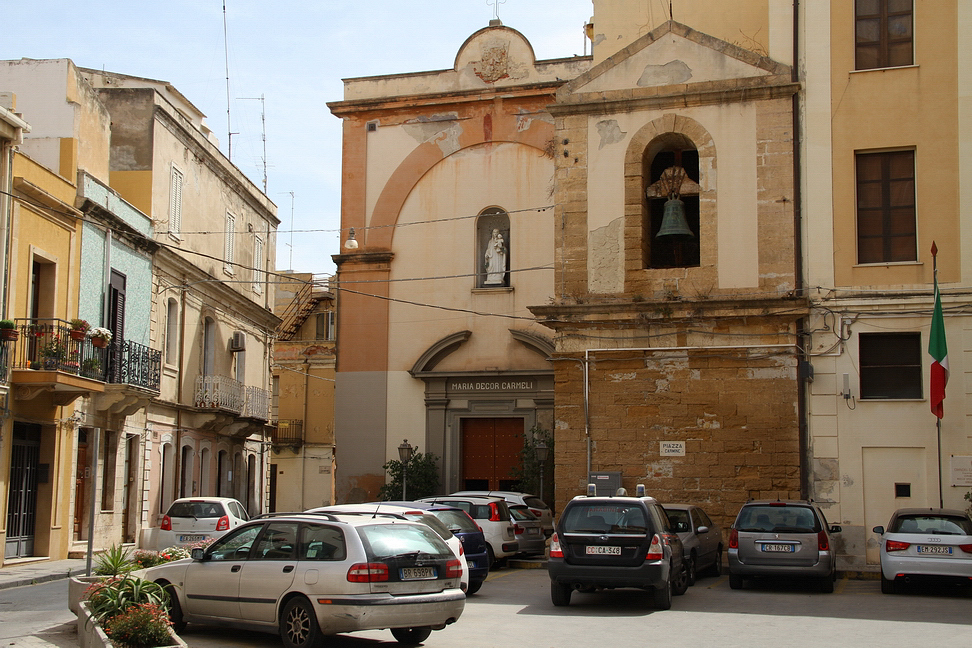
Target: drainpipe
point(94, 499)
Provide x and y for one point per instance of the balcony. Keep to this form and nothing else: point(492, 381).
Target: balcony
point(288, 432)
point(221, 393)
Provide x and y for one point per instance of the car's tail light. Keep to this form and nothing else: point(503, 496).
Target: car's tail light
point(223, 524)
point(823, 544)
point(655, 551)
point(453, 569)
point(462, 549)
point(166, 523)
point(967, 548)
point(369, 572)
point(494, 515)
point(733, 539)
point(555, 550)
point(896, 545)
point(517, 529)
point(537, 512)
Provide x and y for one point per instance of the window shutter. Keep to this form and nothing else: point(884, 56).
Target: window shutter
point(175, 203)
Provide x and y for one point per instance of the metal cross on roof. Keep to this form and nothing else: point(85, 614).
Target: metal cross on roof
point(495, 5)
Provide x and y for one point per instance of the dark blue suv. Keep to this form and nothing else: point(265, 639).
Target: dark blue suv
point(469, 534)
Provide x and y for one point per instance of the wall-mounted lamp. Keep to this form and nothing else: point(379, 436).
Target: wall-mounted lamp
point(351, 244)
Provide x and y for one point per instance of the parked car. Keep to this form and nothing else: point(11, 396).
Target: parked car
point(534, 503)
point(493, 516)
point(782, 538)
point(925, 544)
point(378, 508)
point(468, 532)
point(701, 539)
point(528, 531)
point(610, 542)
point(197, 519)
point(307, 575)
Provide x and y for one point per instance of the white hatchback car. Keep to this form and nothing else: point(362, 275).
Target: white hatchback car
point(925, 543)
point(493, 516)
point(197, 519)
point(308, 575)
point(536, 505)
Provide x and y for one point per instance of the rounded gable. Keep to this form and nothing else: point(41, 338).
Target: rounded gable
point(496, 53)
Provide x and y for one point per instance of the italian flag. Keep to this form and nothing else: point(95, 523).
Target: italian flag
point(939, 353)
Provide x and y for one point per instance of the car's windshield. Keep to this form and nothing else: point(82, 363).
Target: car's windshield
point(932, 524)
point(777, 519)
point(521, 513)
point(605, 518)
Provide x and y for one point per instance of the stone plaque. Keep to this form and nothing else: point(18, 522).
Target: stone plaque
point(671, 448)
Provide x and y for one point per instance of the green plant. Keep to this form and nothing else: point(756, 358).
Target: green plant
point(527, 473)
point(968, 498)
point(114, 561)
point(7, 324)
point(91, 364)
point(140, 626)
point(114, 595)
point(79, 325)
point(423, 478)
point(54, 349)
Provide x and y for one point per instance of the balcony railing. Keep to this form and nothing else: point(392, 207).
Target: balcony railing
point(51, 344)
point(219, 392)
point(257, 403)
point(288, 432)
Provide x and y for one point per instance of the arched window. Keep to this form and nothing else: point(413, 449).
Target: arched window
point(671, 178)
point(205, 488)
point(493, 248)
point(185, 488)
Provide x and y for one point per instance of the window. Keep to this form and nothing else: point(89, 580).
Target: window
point(209, 347)
point(325, 326)
point(229, 244)
point(172, 332)
point(258, 277)
point(175, 203)
point(493, 244)
point(108, 451)
point(890, 365)
point(672, 228)
point(886, 229)
point(884, 30)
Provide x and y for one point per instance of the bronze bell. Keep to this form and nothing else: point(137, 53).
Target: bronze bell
point(673, 220)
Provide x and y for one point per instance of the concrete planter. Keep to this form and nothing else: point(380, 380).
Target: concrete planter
point(90, 634)
point(77, 586)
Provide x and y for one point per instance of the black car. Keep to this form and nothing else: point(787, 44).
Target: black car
point(612, 542)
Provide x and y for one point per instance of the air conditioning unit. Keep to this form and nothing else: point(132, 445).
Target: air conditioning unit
point(238, 341)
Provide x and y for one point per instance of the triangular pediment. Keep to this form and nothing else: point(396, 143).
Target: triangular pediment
point(673, 55)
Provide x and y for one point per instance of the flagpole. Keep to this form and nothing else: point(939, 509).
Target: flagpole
point(938, 421)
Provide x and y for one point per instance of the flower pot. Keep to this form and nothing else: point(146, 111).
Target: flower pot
point(77, 335)
point(77, 586)
point(9, 335)
point(99, 342)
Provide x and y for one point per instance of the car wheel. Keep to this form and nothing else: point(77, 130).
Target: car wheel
point(175, 610)
point(690, 569)
point(888, 586)
point(474, 587)
point(735, 581)
point(680, 581)
point(298, 624)
point(491, 556)
point(716, 568)
point(560, 594)
point(827, 584)
point(411, 636)
point(662, 598)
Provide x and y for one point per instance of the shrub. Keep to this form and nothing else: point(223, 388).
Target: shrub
point(116, 560)
point(423, 478)
point(114, 595)
point(140, 626)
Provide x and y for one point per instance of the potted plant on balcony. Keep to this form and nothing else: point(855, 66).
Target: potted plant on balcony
point(79, 328)
point(8, 330)
point(53, 352)
point(100, 336)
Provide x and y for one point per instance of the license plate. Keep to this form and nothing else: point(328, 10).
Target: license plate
point(418, 573)
point(779, 548)
point(933, 549)
point(602, 550)
point(191, 538)
point(533, 531)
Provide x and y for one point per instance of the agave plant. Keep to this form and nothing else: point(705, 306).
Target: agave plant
point(116, 560)
point(115, 595)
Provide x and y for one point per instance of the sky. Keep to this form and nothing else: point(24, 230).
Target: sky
point(294, 55)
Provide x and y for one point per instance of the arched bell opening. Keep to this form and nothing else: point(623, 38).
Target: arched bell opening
point(671, 180)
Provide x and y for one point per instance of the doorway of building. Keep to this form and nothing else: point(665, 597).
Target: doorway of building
point(490, 451)
point(22, 495)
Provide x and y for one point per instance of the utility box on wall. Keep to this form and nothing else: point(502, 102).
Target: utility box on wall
point(606, 483)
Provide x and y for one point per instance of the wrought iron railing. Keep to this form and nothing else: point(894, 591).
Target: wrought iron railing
point(288, 432)
point(131, 363)
point(219, 392)
point(257, 403)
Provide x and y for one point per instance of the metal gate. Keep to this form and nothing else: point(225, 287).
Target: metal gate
point(22, 495)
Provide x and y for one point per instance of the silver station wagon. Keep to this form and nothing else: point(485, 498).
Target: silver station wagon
point(306, 575)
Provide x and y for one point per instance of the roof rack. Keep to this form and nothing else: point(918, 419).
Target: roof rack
point(263, 516)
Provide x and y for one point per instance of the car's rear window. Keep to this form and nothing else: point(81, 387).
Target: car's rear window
point(196, 510)
point(386, 540)
point(679, 519)
point(431, 521)
point(534, 502)
point(932, 524)
point(521, 513)
point(605, 518)
point(777, 519)
point(456, 521)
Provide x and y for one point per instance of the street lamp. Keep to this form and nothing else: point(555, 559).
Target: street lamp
point(542, 451)
point(405, 454)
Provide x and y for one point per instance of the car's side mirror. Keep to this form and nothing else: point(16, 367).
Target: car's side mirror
point(702, 529)
point(198, 553)
point(835, 528)
point(878, 530)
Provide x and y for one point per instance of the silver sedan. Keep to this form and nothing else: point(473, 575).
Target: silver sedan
point(926, 543)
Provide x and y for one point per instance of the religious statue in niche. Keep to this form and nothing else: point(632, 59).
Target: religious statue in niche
point(495, 258)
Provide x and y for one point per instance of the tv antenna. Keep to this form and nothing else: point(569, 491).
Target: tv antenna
point(229, 128)
point(263, 122)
